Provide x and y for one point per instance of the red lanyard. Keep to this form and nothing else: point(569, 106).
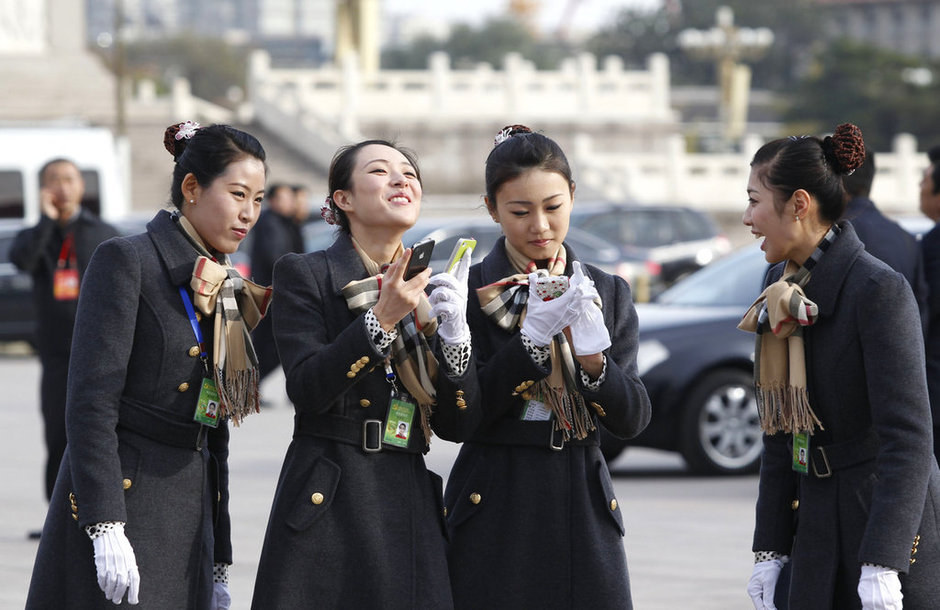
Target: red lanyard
point(67, 253)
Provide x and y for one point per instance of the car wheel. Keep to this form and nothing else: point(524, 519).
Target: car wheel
point(720, 430)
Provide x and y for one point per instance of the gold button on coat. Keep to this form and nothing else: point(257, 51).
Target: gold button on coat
point(193, 351)
point(350, 374)
point(461, 403)
point(126, 483)
point(475, 498)
point(364, 360)
point(795, 504)
point(364, 402)
point(317, 498)
point(183, 387)
point(613, 504)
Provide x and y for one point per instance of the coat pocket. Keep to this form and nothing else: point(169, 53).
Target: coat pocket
point(316, 495)
point(473, 489)
point(610, 504)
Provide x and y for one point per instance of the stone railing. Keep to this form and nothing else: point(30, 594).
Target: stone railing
point(717, 182)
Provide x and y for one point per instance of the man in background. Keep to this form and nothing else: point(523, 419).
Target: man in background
point(883, 238)
point(275, 234)
point(55, 253)
point(930, 249)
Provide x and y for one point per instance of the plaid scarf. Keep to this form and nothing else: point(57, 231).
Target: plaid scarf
point(780, 365)
point(413, 361)
point(238, 306)
point(504, 302)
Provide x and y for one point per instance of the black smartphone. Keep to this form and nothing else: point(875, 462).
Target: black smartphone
point(420, 257)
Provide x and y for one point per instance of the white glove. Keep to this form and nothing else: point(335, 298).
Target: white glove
point(763, 583)
point(545, 319)
point(449, 301)
point(116, 565)
point(221, 599)
point(589, 335)
point(879, 588)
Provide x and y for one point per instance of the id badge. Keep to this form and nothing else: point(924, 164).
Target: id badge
point(65, 284)
point(535, 410)
point(801, 452)
point(207, 408)
point(401, 414)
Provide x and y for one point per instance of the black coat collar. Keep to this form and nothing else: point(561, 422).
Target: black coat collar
point(177, 254)
point(344, 263)
point(830, 274)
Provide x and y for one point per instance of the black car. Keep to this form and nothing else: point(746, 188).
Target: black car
point(668, 242)
point(698, 368)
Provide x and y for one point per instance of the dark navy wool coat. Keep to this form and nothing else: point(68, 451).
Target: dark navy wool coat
point(532, 527)
point(350, 529)
point(865, 370)
point(133, 387)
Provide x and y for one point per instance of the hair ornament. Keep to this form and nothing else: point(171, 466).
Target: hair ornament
point(509, 131)
point(326, 211)
point(187, 130)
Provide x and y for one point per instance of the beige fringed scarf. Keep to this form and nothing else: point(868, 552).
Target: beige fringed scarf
point(504, 302)
point(238, 305)
point(778, 317)
point(413, 361)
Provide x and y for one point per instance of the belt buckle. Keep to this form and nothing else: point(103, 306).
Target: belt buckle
point(825, 459)
point(372, 431)
point(551, 440)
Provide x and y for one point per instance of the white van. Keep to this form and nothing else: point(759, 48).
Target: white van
point(25, 149)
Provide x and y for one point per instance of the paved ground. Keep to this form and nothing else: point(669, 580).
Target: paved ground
point(687, 541)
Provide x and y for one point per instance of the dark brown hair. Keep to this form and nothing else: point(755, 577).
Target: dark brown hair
point(341, 171)
point(816, 165)
point(207, 153)
point(518, 149)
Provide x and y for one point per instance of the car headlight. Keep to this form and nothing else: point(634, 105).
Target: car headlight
point(650, 354)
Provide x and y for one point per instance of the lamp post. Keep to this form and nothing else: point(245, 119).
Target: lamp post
point(728, 46)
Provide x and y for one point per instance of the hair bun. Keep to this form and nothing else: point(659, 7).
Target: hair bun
point(176, 136)
point(509, 131)
point(845, 148)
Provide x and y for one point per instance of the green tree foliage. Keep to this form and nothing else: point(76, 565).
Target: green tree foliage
point(211, 65)
point(470, 45)
point(868, 86)
point(636, 34)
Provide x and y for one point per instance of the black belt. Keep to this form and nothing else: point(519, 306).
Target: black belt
point(161, 426)
point(530, 434)
point(364, 433)
point(827, 459)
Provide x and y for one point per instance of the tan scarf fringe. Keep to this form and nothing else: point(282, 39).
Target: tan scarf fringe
point(558, 391)
point(785, 409)
point(238, 305)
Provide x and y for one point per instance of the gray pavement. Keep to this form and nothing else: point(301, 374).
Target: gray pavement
point(687, 542)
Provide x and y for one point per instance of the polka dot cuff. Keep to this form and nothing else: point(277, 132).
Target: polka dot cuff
point(97, 530)
point(760, 556)
point(457, 357)
point(378, 335)
point(220, 573)
point(595, 384)
point(539, 353)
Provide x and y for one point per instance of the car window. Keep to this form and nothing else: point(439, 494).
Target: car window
point(11, 194)
point(605, 225)
point(693, 226)
point(736, 279)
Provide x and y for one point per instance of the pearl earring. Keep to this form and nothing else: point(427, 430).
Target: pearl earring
point(192, 201)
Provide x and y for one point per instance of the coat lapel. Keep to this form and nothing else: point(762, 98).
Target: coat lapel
point(827, 278)
point(177, 254)
point(344, 263)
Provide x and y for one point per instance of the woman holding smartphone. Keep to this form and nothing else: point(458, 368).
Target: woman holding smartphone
point(532, 517)
point(357, 520)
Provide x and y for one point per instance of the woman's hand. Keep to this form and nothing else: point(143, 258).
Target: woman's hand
point(449, 301)
point(397, 296)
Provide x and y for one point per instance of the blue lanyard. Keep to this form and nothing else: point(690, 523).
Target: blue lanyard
point(197, 330)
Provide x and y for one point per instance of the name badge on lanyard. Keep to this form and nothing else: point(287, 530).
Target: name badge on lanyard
point(65, 279)
point(207, 405)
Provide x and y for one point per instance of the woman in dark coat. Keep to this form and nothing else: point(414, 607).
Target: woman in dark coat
point(357, 520)
point(532, 516)
point(141, 500)
point(849, 488)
